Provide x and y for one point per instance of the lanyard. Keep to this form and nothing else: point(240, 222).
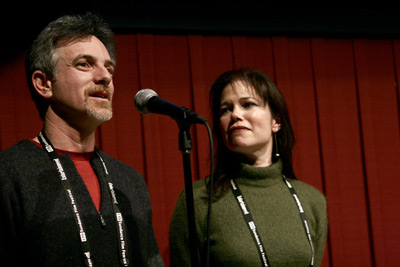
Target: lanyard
point(121, 228)
point(252, 226)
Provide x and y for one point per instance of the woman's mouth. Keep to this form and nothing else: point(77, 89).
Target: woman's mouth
point(237, 129)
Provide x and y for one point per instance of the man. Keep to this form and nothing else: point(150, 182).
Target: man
point(62, 201)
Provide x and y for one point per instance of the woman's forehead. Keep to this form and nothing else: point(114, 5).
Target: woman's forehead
point(240, 88)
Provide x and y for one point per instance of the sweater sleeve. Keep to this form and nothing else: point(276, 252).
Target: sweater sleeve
point(321, 232)
point(316, 210)
point(8, 213)
point(179, 233)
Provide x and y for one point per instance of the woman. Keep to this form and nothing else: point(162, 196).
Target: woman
point(261, 214)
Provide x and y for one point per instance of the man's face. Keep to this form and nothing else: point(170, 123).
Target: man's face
point(83, 87)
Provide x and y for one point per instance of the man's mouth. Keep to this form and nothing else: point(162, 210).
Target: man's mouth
point(99, 94)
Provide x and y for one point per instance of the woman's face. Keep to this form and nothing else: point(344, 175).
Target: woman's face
point(246, 123)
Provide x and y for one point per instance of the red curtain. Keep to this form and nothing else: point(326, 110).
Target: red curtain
point(343, 98)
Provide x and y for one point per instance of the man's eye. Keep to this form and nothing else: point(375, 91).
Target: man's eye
point(110, 70)
point(83, 64)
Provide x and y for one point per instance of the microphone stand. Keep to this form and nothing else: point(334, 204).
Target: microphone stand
point(185, 145)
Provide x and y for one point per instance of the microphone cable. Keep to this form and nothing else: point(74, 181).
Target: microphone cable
point(210, 193)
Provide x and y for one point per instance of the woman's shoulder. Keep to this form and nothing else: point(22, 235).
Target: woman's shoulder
point(199, 189)
point(308, 191)
point(313, 200)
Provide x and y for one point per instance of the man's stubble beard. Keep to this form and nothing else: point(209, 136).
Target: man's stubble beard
point(100, 113)
point(98, 110)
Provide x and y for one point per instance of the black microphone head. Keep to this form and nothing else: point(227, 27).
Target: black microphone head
point(141, 99)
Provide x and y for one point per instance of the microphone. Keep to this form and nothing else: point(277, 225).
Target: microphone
point(147, 101)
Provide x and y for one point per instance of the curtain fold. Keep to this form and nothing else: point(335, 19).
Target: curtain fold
point(342, 159)
point(379, 114)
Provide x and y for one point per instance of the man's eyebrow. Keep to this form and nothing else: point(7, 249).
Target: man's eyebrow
point(84, 56)
point(110, 62)
point(91, 58)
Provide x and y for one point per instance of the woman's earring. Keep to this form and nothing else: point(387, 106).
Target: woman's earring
point(276, 146)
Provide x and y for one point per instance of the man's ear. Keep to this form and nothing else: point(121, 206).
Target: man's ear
point(42, 84)
point(276, 124)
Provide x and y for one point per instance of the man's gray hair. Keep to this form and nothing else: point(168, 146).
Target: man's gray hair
point(66, 29)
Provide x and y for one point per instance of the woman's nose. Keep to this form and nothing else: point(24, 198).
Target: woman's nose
point(237, 114)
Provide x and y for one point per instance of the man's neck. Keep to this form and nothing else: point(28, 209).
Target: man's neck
point(66, 137)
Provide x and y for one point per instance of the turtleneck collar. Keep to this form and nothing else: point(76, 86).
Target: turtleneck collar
point(260, 176)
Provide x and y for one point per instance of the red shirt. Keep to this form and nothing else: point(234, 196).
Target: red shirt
point(89, 177)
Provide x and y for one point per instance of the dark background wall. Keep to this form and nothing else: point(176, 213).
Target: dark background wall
point(20, 23)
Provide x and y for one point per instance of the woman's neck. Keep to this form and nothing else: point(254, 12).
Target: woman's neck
point(261, 160)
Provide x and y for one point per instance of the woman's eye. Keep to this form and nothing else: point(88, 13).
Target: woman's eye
point(249, 104)
point(223, 111)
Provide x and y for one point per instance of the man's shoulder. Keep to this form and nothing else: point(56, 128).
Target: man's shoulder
point(21, 162)
point(18, 151)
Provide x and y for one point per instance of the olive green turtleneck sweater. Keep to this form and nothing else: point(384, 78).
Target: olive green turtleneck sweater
point(274, 211)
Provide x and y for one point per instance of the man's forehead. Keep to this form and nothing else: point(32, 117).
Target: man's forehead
point(90, 46)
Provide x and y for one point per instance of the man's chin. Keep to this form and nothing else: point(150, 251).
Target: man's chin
point(100, 116)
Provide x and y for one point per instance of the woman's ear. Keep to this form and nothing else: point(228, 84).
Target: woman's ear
point(276, 124)
point(42, 84)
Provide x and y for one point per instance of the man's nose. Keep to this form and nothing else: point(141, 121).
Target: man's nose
point(103, 75)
